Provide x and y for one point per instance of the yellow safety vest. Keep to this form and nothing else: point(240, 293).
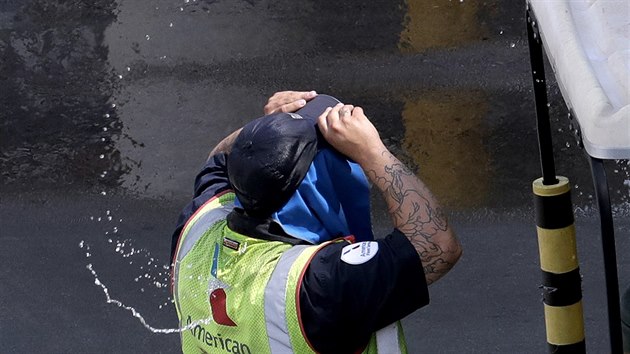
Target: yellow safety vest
point(252, 307)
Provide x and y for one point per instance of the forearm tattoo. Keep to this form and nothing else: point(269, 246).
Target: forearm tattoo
point(414, 215)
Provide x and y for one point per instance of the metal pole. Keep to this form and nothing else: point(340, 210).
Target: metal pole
point(610, 253)
point(561, 283)
point(540, 96)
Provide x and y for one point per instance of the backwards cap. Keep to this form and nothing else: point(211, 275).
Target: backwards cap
point(272, 154)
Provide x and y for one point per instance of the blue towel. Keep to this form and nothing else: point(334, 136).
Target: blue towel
point(332, 201)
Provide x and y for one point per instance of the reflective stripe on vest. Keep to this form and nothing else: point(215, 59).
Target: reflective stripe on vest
point(275, 302)
point(207, 215)
point(387, 339)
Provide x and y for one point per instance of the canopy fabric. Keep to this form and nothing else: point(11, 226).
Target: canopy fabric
point(588, 45)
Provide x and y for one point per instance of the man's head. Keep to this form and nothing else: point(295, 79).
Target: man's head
point(271, 156)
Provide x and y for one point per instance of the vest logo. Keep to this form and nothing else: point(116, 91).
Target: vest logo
point(218, 297)
point(218, 306)
point(216, 340)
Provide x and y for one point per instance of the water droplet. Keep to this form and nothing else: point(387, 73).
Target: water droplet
point(81, 244)
point(147, 37)
point(113, 105)
point(128, 69)
point(99, 219)
point(101, 156)
point(512, 45)
point(103, 193)
point(501, 32)
point(104, 129)
point(170, 24)
point(120, 77)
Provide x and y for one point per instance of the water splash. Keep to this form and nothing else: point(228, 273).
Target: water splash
point(135, 313)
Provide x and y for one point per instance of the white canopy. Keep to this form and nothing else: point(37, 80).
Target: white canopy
point(588, 45)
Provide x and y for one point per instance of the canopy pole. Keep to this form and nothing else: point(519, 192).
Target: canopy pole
point(540, 97)
point(610, 254)
point(562, 292)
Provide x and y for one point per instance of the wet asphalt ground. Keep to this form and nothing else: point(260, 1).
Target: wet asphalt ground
point(108, 108)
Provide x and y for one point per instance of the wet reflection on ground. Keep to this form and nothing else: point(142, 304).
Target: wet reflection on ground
point(172, 90)
point(444, 133)
point(57, 122)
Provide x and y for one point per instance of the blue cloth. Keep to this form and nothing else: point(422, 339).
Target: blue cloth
point(332, 201)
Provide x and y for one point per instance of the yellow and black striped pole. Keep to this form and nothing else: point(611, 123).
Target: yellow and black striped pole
point(562, 291)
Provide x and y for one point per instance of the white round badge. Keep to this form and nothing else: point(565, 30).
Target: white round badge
point(359, 253)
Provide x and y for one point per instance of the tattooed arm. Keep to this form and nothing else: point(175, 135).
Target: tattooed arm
point(414, 210)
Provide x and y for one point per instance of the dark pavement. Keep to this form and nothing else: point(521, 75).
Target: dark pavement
point(108, 108)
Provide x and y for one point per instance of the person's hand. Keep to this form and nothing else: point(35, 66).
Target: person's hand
point(288, 101)
point(349, 131)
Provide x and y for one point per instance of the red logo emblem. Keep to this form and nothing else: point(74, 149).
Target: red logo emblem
point(219, 309)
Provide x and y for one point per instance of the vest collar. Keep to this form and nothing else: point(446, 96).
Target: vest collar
point(264, 229)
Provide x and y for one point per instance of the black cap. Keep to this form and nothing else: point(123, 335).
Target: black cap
point(272, 154)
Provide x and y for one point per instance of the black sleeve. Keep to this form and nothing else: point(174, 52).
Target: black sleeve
point(343, 304)
point(211, 181)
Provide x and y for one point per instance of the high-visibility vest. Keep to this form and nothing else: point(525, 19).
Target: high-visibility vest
point(237, 294)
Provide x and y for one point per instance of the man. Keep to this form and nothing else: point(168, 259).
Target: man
point(243, 284)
